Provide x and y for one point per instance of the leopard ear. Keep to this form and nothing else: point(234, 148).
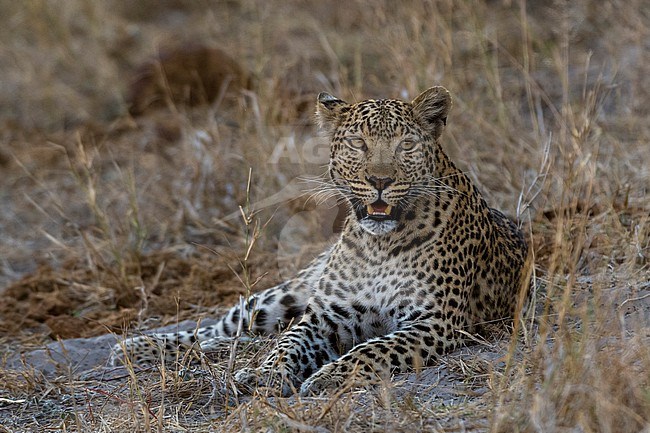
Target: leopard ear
point(431, 108)
point(329, 110)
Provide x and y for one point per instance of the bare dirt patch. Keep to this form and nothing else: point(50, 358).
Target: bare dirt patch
point(74, 301)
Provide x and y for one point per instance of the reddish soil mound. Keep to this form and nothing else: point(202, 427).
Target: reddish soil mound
point(76, 301)
point(187, 75)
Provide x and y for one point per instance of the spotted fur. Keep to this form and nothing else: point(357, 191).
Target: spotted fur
point(420, 258)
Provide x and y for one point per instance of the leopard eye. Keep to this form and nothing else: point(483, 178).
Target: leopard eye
point(408, 145)
point(356, 143)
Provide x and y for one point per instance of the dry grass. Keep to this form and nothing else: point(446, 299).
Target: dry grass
point(550, 118)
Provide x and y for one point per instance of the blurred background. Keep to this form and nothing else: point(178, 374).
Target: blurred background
point(132, 132)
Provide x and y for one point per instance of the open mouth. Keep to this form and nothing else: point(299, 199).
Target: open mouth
point(380, 211)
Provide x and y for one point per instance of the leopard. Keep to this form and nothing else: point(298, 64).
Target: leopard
point(421, 263)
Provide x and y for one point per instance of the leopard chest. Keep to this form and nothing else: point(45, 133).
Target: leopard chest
point(373, 292)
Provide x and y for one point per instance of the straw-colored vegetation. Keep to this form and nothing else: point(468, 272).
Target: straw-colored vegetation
point(110, 220)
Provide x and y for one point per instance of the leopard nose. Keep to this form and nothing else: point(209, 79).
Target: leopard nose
point(380, 182)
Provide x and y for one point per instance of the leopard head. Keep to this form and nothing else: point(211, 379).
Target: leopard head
point(382, 153)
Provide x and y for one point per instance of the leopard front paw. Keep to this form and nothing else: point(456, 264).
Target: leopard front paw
point(329, 377)
point(250, 379)
point(247, 379)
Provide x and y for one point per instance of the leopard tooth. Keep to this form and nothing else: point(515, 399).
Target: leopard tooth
point(372, 211)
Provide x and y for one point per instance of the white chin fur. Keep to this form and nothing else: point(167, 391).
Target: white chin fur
point(377, 228)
